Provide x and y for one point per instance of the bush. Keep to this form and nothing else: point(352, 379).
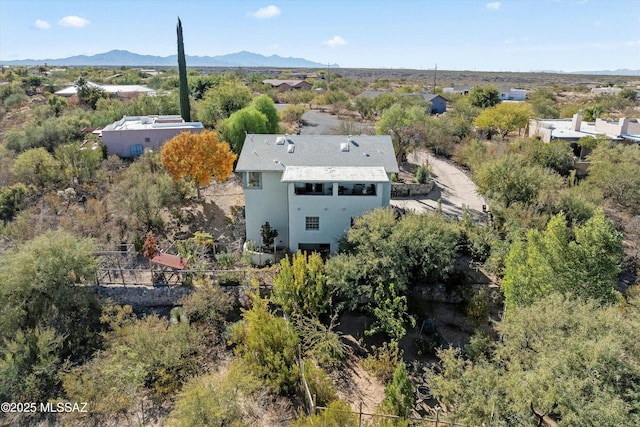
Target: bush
point(320, 384)
point(16, 100)
point(226, 260)
point(422, 174)
point(208, 304)
point(383, 362)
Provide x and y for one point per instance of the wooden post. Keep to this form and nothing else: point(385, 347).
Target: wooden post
point(360, 415)
point(437, 415)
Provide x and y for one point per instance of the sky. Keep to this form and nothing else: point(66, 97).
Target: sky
point(506, 35)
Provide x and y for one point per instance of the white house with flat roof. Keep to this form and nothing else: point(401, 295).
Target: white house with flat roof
point(131, 135)
point(571, 130)
point(118, 91)
point(310, 187)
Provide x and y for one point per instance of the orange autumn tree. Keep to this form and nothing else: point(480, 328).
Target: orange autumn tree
point(197, 157)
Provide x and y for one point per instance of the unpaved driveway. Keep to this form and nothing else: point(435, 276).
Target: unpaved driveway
point(453, 188)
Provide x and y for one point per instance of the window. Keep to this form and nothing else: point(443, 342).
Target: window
point(147, 140)
point(136, 150)
point(312, 223)
point(253, 179)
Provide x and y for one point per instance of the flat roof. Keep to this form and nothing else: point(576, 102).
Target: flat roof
point(334, 174)
point(151, 122)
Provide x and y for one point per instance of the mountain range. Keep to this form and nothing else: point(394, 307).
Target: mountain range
point(130, 59)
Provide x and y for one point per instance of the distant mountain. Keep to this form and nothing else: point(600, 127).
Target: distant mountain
point(130, 59)
point(618, 72)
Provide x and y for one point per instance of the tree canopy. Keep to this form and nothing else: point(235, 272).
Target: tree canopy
point(484, 96)
point(570, 360)
point(197, 157)
point(586, 266)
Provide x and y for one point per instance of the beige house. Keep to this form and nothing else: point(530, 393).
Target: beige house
point(571, 130)
point(284, 85)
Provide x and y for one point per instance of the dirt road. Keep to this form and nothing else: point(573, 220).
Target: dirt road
point(453, 189)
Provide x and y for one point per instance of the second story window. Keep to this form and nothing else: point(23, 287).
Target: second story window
point(254, 180)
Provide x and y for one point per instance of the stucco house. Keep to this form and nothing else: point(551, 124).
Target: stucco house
point(131, 135)
point(284, 85)
point(123, 92)
point(310, 187)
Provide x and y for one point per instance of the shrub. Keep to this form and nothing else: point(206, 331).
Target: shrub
point(422, 174)
point(226, 260)
point(383, 362)
point(16, 100)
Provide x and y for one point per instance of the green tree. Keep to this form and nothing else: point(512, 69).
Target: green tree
point(46, 320)
point(504, 118)
point(484, 96)
point(615, 172)
point(544, 103)
point(508, 179)
point(390, 313)
point(399, 393)
point(12, 199)
point(403, 124)
point(78, 165)
point(267, 345)
point(234, 129)
point(577, 366)
point(381, 248)
point(550, 261)
point(222, 101)
point(185, 106)
point(629, 94)
point(265, 105)
point(36, 167)
point(300, 287)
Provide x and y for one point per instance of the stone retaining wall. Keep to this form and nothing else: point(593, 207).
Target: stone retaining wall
point(408, 189)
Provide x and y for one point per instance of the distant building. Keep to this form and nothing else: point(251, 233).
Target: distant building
point(511, 94)
point(612, 91)
point(123, 92)
point(284, 85)
point(571, 130)
point(131, 135)
point(438, 102)
point(459, 90)
point(310, 187)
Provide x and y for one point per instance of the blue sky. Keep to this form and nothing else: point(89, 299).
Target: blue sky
point(522, 35)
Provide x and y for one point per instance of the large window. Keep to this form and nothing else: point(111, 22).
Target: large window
point(254, 180)
point(312, 223)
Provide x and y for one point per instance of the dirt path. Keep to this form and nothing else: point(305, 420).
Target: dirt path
point(455, 190)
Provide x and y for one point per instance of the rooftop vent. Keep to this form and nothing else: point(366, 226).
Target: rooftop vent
point(344, 146)
point(290, 148)
point(280, 140)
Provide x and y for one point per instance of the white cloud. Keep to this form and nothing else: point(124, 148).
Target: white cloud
point(494, 5)
point(335, 41)
point(41, 25)
point(73, 21)
point(267, 12)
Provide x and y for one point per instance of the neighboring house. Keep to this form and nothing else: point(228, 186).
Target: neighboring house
point(459, 90)
point(131, 135)
point(284, 85)
point(310, 187)
point(123, 92)
point(511, 94)
point(571, 130)
point(438, 103)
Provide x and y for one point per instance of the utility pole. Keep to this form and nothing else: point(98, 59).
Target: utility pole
point(435, 74)
point(328, 74)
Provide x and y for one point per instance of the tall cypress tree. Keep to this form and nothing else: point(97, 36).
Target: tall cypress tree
point(185, 107)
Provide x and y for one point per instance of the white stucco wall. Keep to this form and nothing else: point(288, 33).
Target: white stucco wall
point(335, 213)
point(267, 203)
